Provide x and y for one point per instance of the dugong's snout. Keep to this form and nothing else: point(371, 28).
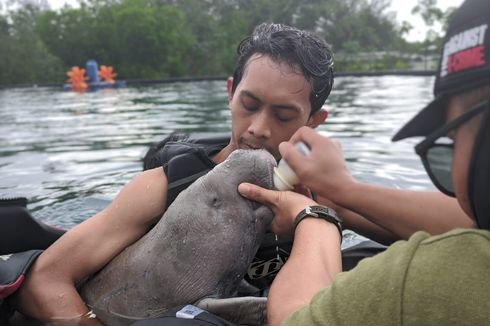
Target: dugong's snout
point(256, 167)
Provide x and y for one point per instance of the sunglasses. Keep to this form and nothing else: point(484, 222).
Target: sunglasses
point(436, 151)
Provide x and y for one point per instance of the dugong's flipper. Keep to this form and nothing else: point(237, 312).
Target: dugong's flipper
point(239, 310)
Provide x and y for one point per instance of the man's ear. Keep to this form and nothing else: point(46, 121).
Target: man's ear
point(317, 118)
point(229, 86)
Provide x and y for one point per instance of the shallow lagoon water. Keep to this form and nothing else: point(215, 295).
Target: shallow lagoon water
point(70, 153)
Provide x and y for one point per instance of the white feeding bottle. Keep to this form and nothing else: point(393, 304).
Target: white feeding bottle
point(284, 177)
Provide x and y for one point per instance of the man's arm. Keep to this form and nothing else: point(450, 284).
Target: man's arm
point(49, 290)
point(315, 256)
point(360, 224)
point(401, 212)
point(309, 290)
point(313, 263)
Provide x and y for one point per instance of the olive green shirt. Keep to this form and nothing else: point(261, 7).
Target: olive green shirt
point(438, 280)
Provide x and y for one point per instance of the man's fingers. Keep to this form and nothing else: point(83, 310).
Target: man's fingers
point(301, 189)
point(256, 193)
point(298, 135)
point(291, 155)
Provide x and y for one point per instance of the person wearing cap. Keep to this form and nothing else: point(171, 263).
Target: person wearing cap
point(427, 280)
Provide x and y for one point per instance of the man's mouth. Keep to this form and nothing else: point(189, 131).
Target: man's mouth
point(246, 145)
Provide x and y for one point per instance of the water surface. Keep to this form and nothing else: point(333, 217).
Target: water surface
point(70, 153)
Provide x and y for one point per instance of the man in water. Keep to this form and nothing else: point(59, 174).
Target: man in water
point(282, 79)
point(427, 280)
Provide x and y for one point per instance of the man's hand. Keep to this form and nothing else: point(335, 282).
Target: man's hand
point(285, 204)
point(324, 170)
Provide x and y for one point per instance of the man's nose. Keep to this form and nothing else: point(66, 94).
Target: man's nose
point(260, 126)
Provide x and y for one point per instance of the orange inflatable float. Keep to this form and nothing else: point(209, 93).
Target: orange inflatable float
point(91, 78)
point(77, 79)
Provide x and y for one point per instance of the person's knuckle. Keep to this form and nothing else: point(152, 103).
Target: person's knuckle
point(278, 199)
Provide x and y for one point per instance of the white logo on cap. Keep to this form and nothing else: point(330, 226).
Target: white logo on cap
point(467, 45)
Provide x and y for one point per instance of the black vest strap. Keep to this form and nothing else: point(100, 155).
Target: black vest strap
point(185, 158)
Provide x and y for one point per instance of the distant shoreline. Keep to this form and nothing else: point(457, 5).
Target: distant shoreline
point(136, 82)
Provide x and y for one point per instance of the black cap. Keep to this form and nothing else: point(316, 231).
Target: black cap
point(464, 64)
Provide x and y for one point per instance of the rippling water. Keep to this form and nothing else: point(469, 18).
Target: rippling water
point(70, 153)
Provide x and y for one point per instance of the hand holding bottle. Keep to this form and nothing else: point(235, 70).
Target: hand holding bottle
point(323, 169)
point(284, 177)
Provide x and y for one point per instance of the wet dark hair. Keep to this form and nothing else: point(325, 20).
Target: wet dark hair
point(297, 48)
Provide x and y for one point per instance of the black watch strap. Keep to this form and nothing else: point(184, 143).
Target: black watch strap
point(326, 213)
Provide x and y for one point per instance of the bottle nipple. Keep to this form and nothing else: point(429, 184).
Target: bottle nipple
point(284, 176)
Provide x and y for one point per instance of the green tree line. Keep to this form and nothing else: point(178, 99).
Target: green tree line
point(155, 39)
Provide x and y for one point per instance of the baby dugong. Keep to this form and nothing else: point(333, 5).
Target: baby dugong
point(200, 248)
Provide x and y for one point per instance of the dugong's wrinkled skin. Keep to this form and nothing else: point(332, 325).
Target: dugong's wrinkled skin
point(200, 248)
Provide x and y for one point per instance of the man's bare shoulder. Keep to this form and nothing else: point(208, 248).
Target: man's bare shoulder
point(143, 199)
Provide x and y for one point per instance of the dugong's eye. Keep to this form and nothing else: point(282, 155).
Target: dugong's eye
point(215, 201)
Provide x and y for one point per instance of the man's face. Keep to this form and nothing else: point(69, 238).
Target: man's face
point(464, 137)
point(269, 104)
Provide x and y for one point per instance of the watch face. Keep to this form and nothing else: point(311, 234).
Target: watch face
point(309, 211)
point(325, 211)
point(322, 212)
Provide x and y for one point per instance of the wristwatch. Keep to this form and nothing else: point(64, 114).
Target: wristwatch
point(322, 212)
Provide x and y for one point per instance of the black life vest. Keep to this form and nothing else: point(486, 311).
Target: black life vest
point(184, 159)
